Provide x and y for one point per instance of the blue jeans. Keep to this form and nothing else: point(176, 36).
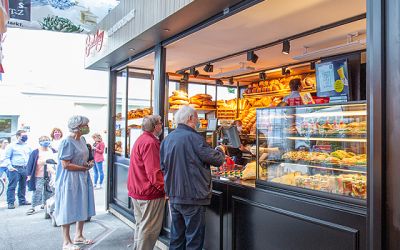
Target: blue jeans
point(98, 169)
point(187, 226)
point(3, 170)
point(14, 178)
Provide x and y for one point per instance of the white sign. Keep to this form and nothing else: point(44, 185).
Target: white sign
point(71, 16)
point(326, 78)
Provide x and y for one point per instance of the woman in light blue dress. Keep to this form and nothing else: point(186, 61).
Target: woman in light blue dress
point(74, 188)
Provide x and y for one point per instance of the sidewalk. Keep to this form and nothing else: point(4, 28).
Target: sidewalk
point(18, 231)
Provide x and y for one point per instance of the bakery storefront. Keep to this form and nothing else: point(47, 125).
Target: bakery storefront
point(314, 101)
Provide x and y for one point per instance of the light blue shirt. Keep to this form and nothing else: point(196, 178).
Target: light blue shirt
point(17, 154)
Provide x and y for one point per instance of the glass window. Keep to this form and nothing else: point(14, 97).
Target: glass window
point(194, 89)
point(140, 103)
point(120, 114)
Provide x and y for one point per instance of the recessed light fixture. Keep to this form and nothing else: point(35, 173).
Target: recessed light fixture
point(286, 47)
point(251, 56)
point(209, 68)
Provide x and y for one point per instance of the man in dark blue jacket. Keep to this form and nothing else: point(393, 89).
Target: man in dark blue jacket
point(185, 161)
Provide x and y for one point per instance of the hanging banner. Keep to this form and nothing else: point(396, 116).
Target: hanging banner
point(71, 16)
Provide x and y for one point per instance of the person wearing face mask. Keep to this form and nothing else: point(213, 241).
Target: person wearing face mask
point(98, 157)
point(56, 136)
point(36, 174)
point(185, 162)
point(146, 185)
point(74, 194)
point(16, 159)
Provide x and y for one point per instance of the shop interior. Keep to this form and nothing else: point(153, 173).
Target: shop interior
point(237, 73)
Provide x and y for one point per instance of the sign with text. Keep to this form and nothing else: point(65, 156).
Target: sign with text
point(69, 16)
point(332, 78)
point(20, 9)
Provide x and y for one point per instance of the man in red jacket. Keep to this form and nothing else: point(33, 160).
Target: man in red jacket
point(146, 184)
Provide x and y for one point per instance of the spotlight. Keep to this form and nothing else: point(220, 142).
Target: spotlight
point(312, 65)
point(251, 56)
point(196, 73)
point(262, 76)
point(219, 82)
point(286, 47)
point(283, 71)
point(287, 72)
point(231, 81)
point(180, 72)
point(192, 70)
point(185, 76)
point(209, 68)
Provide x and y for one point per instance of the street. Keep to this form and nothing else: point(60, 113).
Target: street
point(19, 231)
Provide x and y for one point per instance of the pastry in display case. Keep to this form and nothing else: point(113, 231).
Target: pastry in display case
point(318, 147)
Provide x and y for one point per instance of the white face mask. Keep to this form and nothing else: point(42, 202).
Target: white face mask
point(239, 128)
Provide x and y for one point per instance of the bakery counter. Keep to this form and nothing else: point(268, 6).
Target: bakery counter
point(243, 215)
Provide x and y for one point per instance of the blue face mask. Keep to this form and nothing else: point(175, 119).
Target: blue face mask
point(24, 138)
point(45, 143)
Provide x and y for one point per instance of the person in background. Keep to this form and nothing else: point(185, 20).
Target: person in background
point(98, 155)
point(146, 184)
point(238, 124)
point(74, 194)
point(17, 155)
point(3, 162)
point(56, 138)
point(36, 174)
point(294, 85)
point(185, 161)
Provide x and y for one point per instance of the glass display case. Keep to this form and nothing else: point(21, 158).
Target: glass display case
point(318, 147)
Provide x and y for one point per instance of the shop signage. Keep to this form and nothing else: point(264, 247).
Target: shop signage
point(332, 78)
point(94, 41)
point(71, 16)
point(20, 9)
point(121, 23)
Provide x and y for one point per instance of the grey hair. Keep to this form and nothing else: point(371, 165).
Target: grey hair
point(149, 122)
point(184, 113)
point(76, 121)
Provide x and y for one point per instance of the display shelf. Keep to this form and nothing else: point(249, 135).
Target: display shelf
point(361, 169)
point(275, 93)
point(333, 139)
point(199, 111)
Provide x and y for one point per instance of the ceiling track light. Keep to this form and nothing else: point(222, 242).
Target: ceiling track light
point(251, 56)
point(230, 80)
point(194, 72)
point(219, 82)
point(287, 72)
point(312, 65)
point(262, 76)
point(286, 47)
point(283, 71)
point(185, 77)
point(209, 68)
point(180, 72)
